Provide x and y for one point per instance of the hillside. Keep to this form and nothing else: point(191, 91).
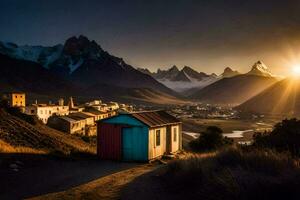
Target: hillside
point(233, 90)
point(17, 135)
point(281, 98)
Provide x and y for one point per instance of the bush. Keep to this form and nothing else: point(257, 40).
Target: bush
point(211, 139)
point(284, 137)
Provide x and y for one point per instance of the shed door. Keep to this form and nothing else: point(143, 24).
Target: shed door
point(109, 141)
point(135, 144)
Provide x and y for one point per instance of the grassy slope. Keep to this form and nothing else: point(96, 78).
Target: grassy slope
point(16, 134)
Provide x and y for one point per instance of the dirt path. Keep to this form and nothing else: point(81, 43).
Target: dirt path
point(25, 176)
point(108, 187)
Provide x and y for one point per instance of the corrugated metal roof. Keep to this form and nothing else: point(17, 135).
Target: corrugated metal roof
point(79, 116)
point(155, 118)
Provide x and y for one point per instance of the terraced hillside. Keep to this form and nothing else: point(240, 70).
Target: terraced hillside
point(17, 135)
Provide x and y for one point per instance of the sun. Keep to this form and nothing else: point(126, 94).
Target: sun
point(296, 71)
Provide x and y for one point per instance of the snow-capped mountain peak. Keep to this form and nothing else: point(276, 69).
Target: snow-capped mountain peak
point(260, 69)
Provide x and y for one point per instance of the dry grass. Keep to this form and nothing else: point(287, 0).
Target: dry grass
point(7, 148)
point(21, 135)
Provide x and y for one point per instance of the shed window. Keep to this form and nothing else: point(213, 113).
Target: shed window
point(175, 134)
point(157, 138)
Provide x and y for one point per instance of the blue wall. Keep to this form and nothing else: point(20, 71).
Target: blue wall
point(135, 143)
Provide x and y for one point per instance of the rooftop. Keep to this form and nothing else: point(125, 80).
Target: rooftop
point(155, 118)
point(79, 116)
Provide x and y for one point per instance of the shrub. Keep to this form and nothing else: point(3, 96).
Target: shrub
point(284, 137)
point(211, 139)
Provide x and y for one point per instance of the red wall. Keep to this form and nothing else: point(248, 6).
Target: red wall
point(109, 140)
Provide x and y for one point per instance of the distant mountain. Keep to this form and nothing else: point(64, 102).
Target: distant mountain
point(228, 72)
point(234, 90)
point(282, 98)
point(79, 62)
point(260, 69)
point(182, 80)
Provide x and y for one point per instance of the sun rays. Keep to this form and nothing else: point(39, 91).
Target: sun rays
point(288, 99)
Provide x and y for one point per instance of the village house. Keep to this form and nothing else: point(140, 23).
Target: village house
point(140, 136)
point(75, 123)
point(44, 111)
point(15, 99)
point(98, 115)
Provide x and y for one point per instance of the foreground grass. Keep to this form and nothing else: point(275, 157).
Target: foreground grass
point(230, 174)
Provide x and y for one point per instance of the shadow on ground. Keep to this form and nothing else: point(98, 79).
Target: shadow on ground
point(29, 175)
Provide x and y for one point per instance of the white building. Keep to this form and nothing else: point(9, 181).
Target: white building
point(44, 111)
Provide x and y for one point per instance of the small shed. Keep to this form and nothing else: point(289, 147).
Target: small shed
point(140, 136)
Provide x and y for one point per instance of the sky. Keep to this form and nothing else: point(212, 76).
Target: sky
point(207, 35)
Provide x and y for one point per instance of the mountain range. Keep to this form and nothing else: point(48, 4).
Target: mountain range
point(79, 67)
point(182, 80)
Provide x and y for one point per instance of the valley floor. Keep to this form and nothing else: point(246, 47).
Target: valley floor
point(228, 126)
